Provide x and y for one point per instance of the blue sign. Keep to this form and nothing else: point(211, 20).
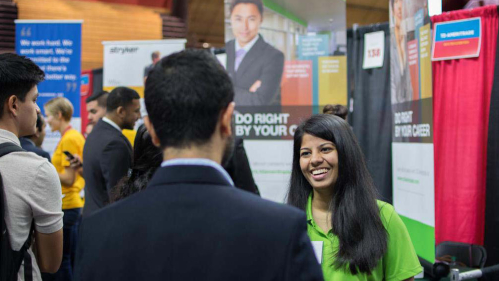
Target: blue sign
point(457, 39)
point(311, 47)
point(55, 46)
point(456, 30)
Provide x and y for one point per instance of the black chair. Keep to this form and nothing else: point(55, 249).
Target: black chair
point(472, 256)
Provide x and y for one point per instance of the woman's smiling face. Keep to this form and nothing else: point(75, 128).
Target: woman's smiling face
point(319, 161)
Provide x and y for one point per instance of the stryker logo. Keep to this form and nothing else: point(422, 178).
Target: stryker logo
point(124, 50)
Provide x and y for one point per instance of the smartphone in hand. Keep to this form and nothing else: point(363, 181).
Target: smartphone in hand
point(69, 155)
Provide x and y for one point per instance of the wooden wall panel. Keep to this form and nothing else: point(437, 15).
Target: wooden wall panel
point(8, 13)
point(206, 18)
point(360, 14)
point(206, 23)
point(149, 3)
point(101, 22)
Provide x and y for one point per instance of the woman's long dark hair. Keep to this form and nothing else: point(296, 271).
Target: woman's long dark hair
point(146, 159)
point(355, 216)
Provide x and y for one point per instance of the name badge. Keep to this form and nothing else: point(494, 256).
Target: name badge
point(317, 245)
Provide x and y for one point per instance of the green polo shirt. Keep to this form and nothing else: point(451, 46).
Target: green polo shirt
point(399, 263)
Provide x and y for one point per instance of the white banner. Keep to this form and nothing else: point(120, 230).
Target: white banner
point(413, 181)
point(270, 163)
point(126, 62)
point(374, 49)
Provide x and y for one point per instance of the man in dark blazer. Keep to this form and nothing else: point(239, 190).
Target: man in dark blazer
point(254, 66)
point(238, 167)
point(107, 154)
point(191, 223)
point(33, 143)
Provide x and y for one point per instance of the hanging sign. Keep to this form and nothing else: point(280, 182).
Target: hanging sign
point(374, 49)
point(55, 46)
point(127, 63)
point(412, 123)
point(457, 39)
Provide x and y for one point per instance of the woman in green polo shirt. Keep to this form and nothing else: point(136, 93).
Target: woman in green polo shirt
point(361, 238)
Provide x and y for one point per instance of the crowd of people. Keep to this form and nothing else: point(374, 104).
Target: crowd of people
point(181, 204)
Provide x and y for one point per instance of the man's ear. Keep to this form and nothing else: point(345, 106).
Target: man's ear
point(226, 120)
point(12, 105)
point(152, 132)
point(120, 111)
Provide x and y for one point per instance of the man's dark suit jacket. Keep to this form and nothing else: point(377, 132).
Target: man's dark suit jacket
point(262, 62)
point(107, 156)
point(28, 145)
point(239, 168)
point(191, 224)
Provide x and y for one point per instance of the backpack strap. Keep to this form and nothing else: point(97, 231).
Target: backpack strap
point(28, 264)
point(6, 148)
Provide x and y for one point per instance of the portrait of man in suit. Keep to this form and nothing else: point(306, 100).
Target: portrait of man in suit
point(254, 66)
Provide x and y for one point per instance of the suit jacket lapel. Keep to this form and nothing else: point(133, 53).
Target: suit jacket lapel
point(127, 143)
point(251, 56)
point(107, 126)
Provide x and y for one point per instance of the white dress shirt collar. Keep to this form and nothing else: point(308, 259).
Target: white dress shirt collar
point(248, 46)
point(198, 162)
point(110, 122)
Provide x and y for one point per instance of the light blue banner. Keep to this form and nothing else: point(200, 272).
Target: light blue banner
point(455, 30)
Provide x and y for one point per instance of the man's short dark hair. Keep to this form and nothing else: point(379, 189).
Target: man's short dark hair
point(185, 94)
point(258, 4)
point(100, 97)
point(18, 75)
point(120, 96)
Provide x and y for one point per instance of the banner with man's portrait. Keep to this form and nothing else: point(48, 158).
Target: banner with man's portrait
point(287, 60)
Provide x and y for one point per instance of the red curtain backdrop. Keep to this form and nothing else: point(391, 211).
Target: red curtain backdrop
point(462, 90)
point(85, 92)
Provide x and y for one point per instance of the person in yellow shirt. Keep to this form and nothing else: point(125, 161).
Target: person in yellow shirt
point(59, 112)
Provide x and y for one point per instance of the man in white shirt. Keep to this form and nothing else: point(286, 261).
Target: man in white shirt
point(31, 184)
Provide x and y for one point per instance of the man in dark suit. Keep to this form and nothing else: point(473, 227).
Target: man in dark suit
point(191, 223)
point(254, 66)
point(33, 143)
point(238, 167)
point(107, 154)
